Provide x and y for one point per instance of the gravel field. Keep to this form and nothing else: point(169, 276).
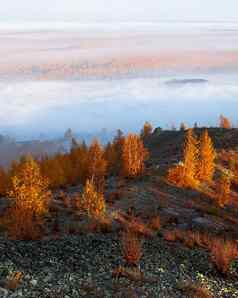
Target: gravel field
point(82, 266)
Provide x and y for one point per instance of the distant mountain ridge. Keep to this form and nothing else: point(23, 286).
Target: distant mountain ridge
point(181, 82)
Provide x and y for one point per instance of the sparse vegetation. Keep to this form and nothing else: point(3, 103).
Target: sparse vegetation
point(131, 248)
point(223, 253)
point(194, 290)
point(91, 196)
point(30, 196)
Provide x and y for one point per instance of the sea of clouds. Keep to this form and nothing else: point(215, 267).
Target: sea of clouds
point(31, 104)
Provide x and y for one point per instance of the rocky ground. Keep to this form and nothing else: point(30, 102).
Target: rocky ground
point(82, 266)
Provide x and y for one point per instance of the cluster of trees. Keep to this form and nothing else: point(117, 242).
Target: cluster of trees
point(198, 163)
point(124, 156)
point(28, 181)
point(198, 166)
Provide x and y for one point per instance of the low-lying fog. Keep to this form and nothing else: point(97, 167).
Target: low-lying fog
point(94, 77)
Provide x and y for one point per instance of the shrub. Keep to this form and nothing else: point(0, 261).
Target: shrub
point(223, 252)
point(223, 189)
point(14, 280)
point(194, 289)
point(155, 223)
point(131, 248)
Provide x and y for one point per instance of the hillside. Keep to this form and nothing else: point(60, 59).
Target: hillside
point(80, 257)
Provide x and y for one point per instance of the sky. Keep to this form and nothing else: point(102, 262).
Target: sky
point(118, 10)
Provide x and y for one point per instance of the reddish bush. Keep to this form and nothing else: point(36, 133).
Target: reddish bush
point(223, 252)
point(131, 248)
point(155, 223)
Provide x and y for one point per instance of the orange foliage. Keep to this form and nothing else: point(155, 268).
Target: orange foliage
point(190, 158)
point(131, 248)
point(92, 202)
point(206, 164)
point(53, 170)
point(111, 157)
point(14, 280)
point(176, 175)
point(134, 155)
point(97, 165)
point(184, 174)
point(223, 189)
point(225, 122)
point(118, 142)
point(146, 130)
point(194, 289)
point(30, 194)
point(223, 252)
point(79, 163)
point(155, 223)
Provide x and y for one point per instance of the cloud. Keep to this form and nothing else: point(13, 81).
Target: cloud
point(90, 105)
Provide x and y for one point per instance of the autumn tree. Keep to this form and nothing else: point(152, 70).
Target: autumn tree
point(79, 162)
point(146, 130)
point(134, 155)
point(92, 201)
point(117, 144)
point(206, 164)
point(51, 167)
point(190, 158)
point(223, 189)
point(111, 156)
point(225, 122)
point(30, 196)
point(184, 174)
point(97, 165)
point(176, 175)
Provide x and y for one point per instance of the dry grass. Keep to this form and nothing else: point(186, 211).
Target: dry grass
point(223, 252)
point(14, 280)
point(155, 223)
point(170, 235)
point(131, 248)
point(129, 222)
point(194, 290)
point(189, 238)
point(101, 224)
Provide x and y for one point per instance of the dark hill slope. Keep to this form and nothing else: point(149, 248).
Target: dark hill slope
point(166, 146)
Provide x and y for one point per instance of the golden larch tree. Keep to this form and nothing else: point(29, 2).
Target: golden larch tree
point(118, 147)
point(79, 161)
point(190, 158)
point(97, 165)
point(207, 155)
point(223, 189)
point(111, 156)
point(51, 168)
point(146, 130)
point(185, 173)
point(92, 201)
point(31, 196)
point(134, 155)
